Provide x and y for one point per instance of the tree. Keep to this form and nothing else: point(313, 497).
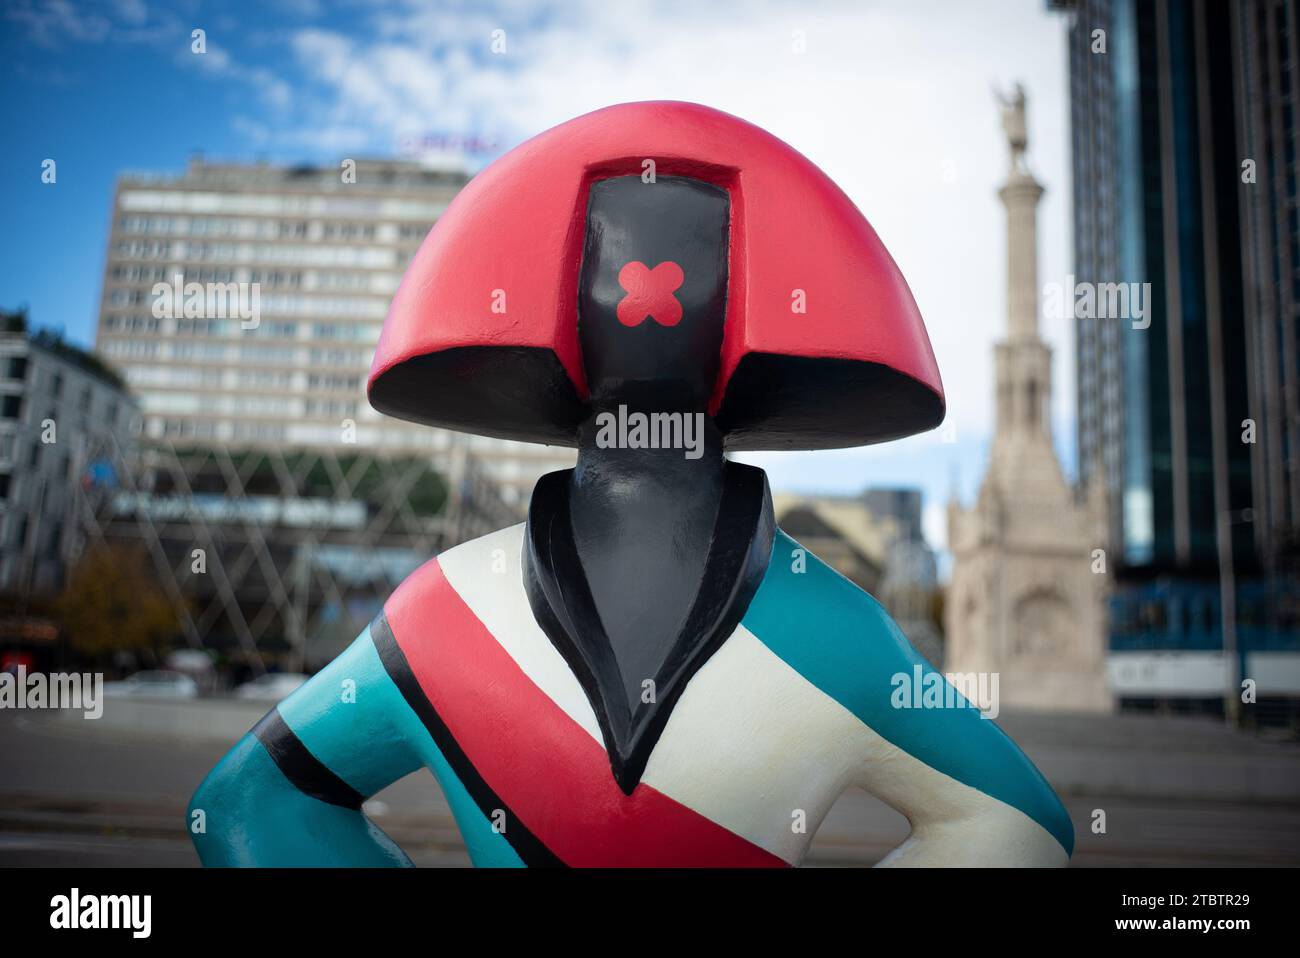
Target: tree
point(112, 604)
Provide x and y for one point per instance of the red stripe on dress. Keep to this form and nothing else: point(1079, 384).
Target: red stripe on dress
point(553, 775)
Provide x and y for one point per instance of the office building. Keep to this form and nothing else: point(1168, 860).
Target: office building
point(1184, 176)
point(243, 304)
point(909, 587)
point(59, 407)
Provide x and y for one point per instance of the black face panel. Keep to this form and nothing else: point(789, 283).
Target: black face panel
point(558, 585)
point(660, 318)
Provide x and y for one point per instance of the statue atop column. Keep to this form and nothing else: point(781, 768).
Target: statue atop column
point(1013, 125)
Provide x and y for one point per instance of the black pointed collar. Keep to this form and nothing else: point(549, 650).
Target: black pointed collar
point(562, 604)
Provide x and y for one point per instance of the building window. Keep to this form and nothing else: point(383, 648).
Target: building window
point(5, 479)
point(55, 537)
point(16, 367)
point(10, 407)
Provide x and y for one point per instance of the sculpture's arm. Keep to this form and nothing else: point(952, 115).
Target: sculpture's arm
point(955, 820)
point(290, 792)
point(970, 794)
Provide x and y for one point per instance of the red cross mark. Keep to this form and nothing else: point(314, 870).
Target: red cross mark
point(650, 293)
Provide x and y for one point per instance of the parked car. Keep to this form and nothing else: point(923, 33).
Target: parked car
point(154, 684)
point(270, 687)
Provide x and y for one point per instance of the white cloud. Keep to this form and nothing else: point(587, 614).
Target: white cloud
point(131, 11)
point(217, 62)
point(55, 24)
point(51, 23)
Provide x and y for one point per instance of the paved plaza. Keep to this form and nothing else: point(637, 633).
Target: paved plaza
point(1175, 791)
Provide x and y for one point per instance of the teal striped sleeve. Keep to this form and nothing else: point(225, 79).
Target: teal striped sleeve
point(289, 793)
point(248, 814)
point(373, 738)
point(353, 719)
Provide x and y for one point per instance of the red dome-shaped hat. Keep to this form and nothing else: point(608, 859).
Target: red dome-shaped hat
point(822, 346)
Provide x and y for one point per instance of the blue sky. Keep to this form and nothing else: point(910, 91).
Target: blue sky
point(893, 99)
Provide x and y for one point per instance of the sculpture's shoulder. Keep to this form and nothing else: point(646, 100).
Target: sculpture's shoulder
point(481, 571)
point(826, 626)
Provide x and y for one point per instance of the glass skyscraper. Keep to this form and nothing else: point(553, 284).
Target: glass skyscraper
point(1184, 182)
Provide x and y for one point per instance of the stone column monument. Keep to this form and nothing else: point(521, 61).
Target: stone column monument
point(1027, 591)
